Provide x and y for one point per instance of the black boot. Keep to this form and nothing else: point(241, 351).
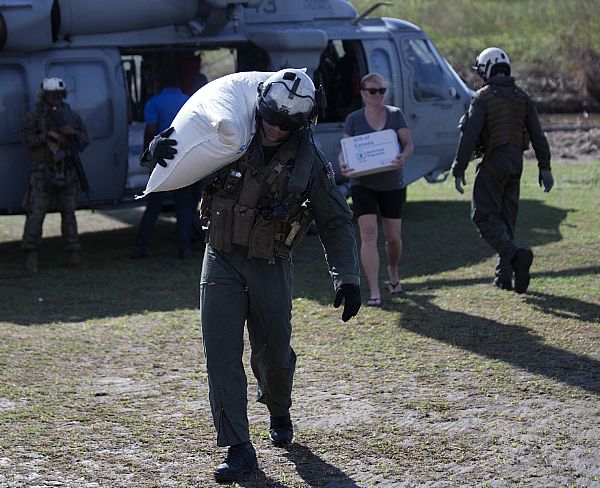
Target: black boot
point(241, 459)
point(503, 283)
point(281, 431)
point(504, 273)
point(521, 263)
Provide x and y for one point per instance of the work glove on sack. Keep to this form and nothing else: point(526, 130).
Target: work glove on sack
point(546, 180)
point(351, 295)
point(159, 149)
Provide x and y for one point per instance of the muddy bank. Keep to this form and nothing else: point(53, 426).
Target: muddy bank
point(575, 145)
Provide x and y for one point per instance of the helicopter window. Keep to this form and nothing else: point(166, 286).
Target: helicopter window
point(13, 102)
point(380, 63)
point(428, 76)
point(339, 72)
point(88, 94)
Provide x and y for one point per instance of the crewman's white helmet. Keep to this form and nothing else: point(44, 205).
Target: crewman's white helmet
point(287, 99)
point(53, 84)
point(489, 58)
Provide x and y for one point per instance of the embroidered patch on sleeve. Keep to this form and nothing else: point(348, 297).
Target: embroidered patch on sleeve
point(328, 169)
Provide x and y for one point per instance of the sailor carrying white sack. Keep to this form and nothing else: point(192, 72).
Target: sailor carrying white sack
point(259, 208)
point(212, 129)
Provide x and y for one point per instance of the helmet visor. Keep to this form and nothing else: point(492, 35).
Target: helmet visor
point(280, 119)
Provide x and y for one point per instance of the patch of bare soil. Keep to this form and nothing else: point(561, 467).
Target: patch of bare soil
point(575, 145)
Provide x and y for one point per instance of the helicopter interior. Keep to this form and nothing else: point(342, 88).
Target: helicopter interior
point(340, 68)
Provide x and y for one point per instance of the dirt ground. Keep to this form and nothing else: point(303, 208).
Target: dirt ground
point(573, 145)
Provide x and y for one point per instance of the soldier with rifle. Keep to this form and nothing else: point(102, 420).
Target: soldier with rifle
point(54, 136)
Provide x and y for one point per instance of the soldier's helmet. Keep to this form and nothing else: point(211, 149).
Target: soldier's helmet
point(287, 99)
point(490, 61)
point(54, 85)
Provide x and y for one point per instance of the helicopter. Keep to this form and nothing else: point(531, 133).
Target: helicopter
point(110, 56)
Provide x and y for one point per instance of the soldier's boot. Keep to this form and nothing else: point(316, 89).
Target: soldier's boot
point(241, 459)
point(503, 275)
point(503, 283)
point(281, 430)
point(521, 263)
point(31, 261)
point(75, 259)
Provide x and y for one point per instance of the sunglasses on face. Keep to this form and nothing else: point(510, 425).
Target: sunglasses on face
point(372, 91)
point(277, 119)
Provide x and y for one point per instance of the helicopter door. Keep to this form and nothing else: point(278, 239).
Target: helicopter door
point(435, 100)
point(383, 59)
point(14, 103)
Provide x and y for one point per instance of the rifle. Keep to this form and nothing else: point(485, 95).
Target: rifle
point(71, 150)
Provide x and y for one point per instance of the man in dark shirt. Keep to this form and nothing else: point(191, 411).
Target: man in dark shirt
point(500, 122)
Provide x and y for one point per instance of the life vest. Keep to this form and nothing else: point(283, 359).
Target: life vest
point(504, 118)
point(250, 207)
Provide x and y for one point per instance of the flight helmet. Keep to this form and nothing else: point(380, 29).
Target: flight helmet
point(490, 61)
point(287, 99)
point(53, 85)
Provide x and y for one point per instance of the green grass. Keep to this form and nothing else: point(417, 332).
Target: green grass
point(552, 34)
point(102, 377)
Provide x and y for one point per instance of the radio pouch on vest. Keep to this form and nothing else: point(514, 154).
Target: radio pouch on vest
point(221, 223)
point(261, 243)
point(298, 225)
point(244, 212)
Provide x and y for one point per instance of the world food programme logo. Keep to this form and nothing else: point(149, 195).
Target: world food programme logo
point(361, 156)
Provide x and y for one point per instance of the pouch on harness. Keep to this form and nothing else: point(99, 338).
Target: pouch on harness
point(246, 207)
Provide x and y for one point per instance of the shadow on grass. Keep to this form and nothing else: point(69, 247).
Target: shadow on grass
point(438, 236)
point(258, 479)
point(565, 307)
point(512, 344)
point(111, 285)
point(315, 471)
point(440, 283)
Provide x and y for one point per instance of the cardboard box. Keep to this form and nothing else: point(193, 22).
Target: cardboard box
point(371, 153)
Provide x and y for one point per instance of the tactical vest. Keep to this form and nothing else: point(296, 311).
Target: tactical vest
point(504, 118)
point(59, 170)
point(247, 206)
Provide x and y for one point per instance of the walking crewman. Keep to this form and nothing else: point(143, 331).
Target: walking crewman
point(258, 209)
point(501, 121)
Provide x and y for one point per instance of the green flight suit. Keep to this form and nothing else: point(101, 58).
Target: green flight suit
point(236, 289)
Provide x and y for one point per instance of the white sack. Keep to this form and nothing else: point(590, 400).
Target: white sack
point(212, 129)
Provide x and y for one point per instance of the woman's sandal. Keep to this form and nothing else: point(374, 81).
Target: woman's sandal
point(374, 302)
point(395, 288)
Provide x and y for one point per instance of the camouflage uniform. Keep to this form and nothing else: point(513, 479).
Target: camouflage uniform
point(53, 181)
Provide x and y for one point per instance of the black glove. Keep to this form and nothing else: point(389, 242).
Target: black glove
point(459, 176)
point(458, 182)
point(160, 148)
point(546, 180)
point(351, 295)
